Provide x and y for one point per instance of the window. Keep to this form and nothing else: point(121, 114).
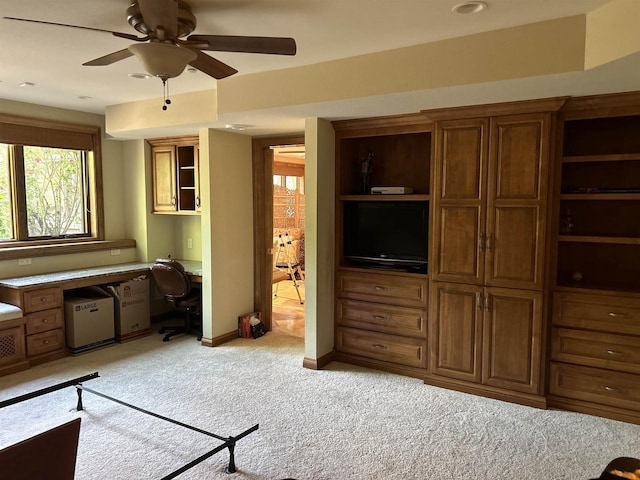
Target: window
point(288, 201)
point(49, 182)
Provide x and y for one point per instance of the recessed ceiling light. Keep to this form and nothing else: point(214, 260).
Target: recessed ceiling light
point(84, 97)
point(27, 84)
point(142, 76)
point(192, 70)
point(470, 7)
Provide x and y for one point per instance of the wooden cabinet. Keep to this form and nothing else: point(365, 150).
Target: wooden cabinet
point(44, 318)
point(596, 318)
point(595, 355)
point(487, 335)
point(381, 313)
point(381, 320)
point(176, 181)
point(489, 199)
point(490, 206)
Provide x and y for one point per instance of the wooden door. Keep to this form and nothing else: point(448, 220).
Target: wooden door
point(512, 339)
point(455, 331)
point(516, 204)
point(459, 198)
point(164, 179)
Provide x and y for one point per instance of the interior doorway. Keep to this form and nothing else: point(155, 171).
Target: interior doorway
point(289, 307)
point(288, 286)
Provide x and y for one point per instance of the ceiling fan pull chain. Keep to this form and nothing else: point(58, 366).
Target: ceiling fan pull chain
point(165, 89)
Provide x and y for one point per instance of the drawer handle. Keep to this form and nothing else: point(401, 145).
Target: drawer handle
point(610, 389)
point(379, 346)
point(617, 315)
point(45, 320)
point(613, 353)
point(380, 317)
point(46, 342)
point(43, 299)
point(378, 288)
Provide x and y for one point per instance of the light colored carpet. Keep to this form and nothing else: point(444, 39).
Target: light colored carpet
point(343, 422)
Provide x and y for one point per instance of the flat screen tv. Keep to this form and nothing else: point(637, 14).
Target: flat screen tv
point(391, 234)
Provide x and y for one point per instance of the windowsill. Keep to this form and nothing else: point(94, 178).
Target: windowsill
point(62, 248)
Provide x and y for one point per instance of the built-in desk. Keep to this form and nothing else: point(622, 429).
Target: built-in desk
point(41, 299)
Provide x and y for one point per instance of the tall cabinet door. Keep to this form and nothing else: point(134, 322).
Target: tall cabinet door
point(512, 336)
point(455, 331)
point(516, 204)
point(164, 179)
point(459, 197)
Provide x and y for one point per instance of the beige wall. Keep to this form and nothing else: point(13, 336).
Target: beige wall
point(227, 230)
point(319, 237)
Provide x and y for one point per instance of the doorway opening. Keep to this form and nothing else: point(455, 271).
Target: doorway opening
point(288, 278)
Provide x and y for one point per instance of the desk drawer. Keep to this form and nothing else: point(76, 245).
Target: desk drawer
point(390, 289)
point(43, 321)
point(595, 312)
point(615, 352)
point(45, 342)
point(42, 299)
point(595, 385)
point(382, 318)
point(381, 346)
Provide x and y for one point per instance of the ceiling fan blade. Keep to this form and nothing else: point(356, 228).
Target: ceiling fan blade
point(109, 59)
point(117, 34)
point(236, 43)
point(160, 13)
point(211, 66)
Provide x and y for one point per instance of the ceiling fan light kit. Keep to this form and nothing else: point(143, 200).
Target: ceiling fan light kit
point(163, 60)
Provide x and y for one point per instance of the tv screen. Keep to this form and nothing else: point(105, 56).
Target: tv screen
point(387, 233)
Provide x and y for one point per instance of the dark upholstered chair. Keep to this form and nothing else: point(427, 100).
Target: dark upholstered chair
point(173, 282)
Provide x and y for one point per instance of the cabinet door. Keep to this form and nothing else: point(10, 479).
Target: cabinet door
point(164, 179)
point(517, 192)
point(196, 164)
point(512, 339)
point(455, 331)
point(459, 198)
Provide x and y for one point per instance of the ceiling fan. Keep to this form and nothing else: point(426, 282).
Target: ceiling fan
point(167, 47)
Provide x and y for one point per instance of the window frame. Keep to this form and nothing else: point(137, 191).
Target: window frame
point(27, 131)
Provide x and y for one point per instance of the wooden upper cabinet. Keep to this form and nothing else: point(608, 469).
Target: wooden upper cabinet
point(176, 180)
point(490, 200)
point(164, 180)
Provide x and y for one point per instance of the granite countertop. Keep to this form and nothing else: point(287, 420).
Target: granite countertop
point(191, 267)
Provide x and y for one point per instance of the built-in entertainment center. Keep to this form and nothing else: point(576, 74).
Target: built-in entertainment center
point(494, 250)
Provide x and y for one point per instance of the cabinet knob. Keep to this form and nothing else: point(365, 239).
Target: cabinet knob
point(46, 342)
point(43, 299)
point(486, 303)
point(45, 320)
point(478, 301)
point(488, 243)
point(610, 389)
point(173, 200)
point(379, 288)
point(617, 315)
point(380, 317)
point(198, 202)
point(379, 346)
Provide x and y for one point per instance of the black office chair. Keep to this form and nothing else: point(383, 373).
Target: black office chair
point(174, 283)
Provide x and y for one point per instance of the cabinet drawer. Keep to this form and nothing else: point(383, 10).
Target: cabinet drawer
point(615, 352)
point(610, 314)
point(42, 299)
point(389, 348)
point(43, 321)
point(382, 318)
point(45, 342)
point(595, 385)
point(391, 289)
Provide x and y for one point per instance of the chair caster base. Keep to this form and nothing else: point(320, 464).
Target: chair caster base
point(166, 338)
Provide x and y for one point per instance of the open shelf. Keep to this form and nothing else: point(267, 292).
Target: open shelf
point(384, 198)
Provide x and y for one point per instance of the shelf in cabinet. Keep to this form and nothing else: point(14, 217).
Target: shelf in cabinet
point(187, 167)
point(187, 188)
point(383, 198)
point(615, 157)
point(596, 239)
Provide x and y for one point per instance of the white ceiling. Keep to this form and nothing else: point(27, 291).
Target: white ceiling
point(51, 57)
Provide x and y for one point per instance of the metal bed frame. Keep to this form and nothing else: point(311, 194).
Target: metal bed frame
point(227, 442)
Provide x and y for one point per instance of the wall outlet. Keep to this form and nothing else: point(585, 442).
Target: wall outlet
point(189, 243)
point(115, 251)
point(24, 261)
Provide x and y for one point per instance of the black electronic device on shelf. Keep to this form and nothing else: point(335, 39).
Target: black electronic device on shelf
point(390, 234)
